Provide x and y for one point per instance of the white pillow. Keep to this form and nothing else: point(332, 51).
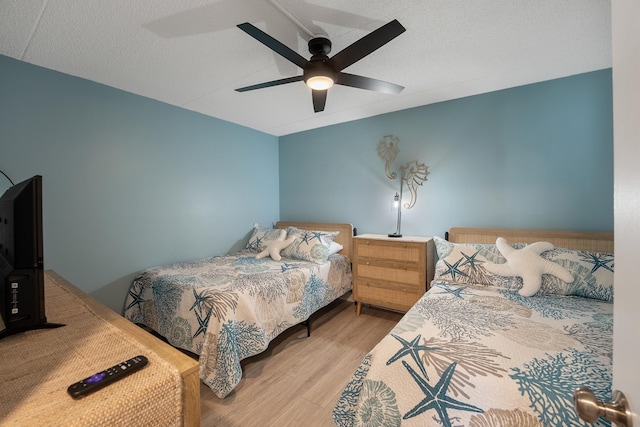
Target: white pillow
point(334, 248)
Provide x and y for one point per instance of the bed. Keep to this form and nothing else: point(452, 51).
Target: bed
point(227, 308)
point(473, 351)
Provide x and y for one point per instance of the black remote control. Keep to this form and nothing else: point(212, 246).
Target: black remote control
point(106, 377)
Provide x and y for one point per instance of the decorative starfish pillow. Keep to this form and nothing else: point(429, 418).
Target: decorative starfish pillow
point(260, 237)
point(275, 246)
point(528, 264)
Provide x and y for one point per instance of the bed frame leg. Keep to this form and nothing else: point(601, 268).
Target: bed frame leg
point(307, 323)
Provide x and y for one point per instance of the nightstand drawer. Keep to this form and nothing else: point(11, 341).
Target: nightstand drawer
point(397, 298)
point(409, 277)
point(410, 253)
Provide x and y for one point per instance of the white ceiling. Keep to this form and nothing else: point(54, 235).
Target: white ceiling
point(190, 53)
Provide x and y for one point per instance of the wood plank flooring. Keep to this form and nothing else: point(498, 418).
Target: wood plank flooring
point(298, 380)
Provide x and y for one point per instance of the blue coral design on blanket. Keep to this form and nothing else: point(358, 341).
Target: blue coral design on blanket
point(446, 362)
point(228, 308)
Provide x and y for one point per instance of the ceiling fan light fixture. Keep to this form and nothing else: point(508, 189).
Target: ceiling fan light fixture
point(318, 75)
point(319, 82)
point(321, 72)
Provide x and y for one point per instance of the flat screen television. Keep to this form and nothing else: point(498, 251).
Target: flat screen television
point(22, 304)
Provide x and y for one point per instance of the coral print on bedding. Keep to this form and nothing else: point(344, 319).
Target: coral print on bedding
point(483, 356)
point(474, 352)
point(228, 308)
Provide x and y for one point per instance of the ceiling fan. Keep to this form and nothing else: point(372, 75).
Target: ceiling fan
point(321, 72)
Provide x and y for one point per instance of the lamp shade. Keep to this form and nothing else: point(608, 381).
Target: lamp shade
point(397, 203)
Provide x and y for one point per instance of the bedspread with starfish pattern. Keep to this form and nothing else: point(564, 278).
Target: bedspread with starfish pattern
point(481, 356)
point(228, 308)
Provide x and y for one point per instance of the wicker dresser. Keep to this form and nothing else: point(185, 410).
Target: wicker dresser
point(38, 366)
point(391, 272)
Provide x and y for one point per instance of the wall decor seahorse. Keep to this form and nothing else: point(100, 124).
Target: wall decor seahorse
point(412, 174)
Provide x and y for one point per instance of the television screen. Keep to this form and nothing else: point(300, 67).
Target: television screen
point(22, 304)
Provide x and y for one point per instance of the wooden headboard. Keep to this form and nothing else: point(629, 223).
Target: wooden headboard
point(577, 240)
point(344, 237)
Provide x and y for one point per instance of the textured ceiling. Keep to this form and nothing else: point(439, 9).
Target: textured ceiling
point(190, 53)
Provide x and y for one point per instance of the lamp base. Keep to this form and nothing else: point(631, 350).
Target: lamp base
point(394, 235)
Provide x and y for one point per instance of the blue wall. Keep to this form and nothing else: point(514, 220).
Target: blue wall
point(129, 182)
point(536, 156)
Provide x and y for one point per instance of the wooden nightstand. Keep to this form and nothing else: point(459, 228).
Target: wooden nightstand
point(391, 272)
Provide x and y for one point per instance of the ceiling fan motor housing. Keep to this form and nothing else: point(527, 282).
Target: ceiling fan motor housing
point(319, 45)
point(318, 66)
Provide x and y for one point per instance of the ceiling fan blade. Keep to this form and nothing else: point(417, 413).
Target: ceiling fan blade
point(319, 99)
point(274, 44)
point(366, 45)
point(271, 83)
point(368, 83)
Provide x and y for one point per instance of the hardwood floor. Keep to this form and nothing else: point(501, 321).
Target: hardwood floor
point(298, 380)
